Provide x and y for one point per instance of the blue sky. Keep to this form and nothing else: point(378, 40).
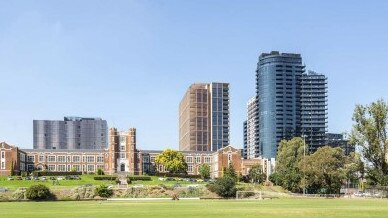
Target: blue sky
point(130, 62)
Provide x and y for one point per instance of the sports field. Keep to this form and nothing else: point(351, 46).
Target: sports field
point(203, 208)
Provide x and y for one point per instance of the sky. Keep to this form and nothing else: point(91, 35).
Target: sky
point(130, 62)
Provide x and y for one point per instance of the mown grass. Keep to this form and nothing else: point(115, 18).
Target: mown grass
point(204, 208)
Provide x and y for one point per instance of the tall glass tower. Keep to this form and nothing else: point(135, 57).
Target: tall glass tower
point(278, 93)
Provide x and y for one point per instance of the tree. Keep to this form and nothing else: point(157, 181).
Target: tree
point(172, 160)
point(230, 172)
point(11, 173)
point(204, 171)
point(370, 132)
point(324, 170)
point(290, 153)
point(256, 174)
point(225, 187)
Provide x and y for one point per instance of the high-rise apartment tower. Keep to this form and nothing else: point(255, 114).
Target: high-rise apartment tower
point(204, 117)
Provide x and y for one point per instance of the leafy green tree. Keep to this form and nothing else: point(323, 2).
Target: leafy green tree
point(324, 170)
point(256, 174)
point(370, 132)
point(354, 168)
point(230, 172)
point(204, 171)
point(225, 187)
point(172, 160)
point(290, 153)
point(11, 172)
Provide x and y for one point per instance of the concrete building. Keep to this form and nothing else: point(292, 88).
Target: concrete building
point(204, 117)
point(251, 139)
point(339, 140)
point(71, 133)
point(314, 109)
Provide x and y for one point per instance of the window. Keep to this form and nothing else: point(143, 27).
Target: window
point(190, 168)
point(100, 159)
point(77, 168)
point(189, 159)
point(76, 159)
point(22, 157)
point(207, 159)
point(100, 167)
point(51, 167)
point(2, 165)
point(51, 158)
point(90, 168)
point(31, 158)
point(146, 159)
point(3, 154)
point(122, 155)
point(90, 159)
point(61, 168)
point(41, 158)
point(122, 148)
point(197, 159)
point(152, 159)
point(61, 159)
point(22, 167)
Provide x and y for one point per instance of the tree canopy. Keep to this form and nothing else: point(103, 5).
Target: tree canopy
point(370, 132)
point(204, 171)
point(172, 160)
point(324, 170)
point(287, 170)
point(256, 174)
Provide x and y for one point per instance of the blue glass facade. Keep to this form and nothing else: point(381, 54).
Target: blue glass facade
point(278, 91)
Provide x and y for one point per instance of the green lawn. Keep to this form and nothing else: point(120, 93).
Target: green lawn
point(204, 208)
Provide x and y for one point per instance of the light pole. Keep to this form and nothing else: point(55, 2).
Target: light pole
point(304, 164)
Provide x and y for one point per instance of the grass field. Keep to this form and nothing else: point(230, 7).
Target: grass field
point(204, 208)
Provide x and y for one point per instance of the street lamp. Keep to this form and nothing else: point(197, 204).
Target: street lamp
point(304, 164)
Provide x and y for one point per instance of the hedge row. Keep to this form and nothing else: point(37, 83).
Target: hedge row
point(141, 178)
point(105, 178)
point(177, 175)
point(54, 173)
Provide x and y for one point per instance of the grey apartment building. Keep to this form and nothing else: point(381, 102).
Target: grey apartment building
point(289, 102)
point(314, 109)
point(204, 117)
point(71, 133)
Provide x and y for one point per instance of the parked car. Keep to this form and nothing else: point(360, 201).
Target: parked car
point(10, 178)
point(177, 185)
point(19, 178)
point(60, 178)
point(43, 178)
point(3, 189)
point(73, 178)
point(28, 178)
point(162, 179)
point(169, 179)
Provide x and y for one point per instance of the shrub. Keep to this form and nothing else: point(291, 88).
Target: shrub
point(53, 173)
point(23, 174)
point(19, 194)
point(109, 178)
point(225, 187)
point(38, 192)
point(103, 191)
point(142, 178)
point(100, 172)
